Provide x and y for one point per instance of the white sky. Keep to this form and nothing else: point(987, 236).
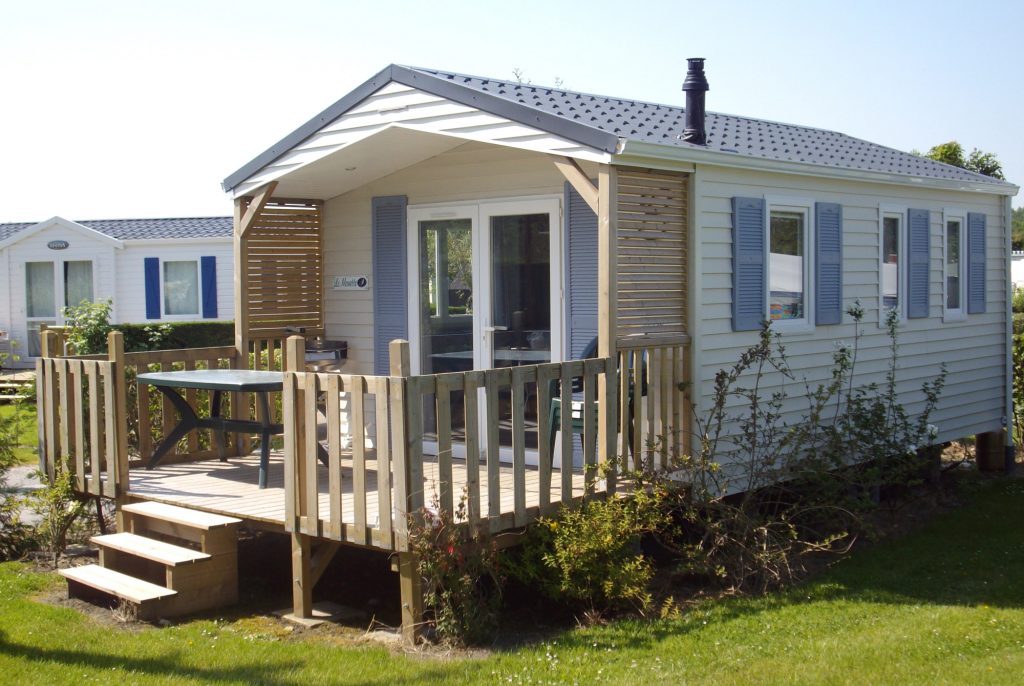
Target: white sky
point(140, 109)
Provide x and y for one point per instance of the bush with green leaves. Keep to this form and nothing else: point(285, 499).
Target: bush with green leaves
point(589, 557)
point(15, 535)
point(460, 576)
point(87, 325)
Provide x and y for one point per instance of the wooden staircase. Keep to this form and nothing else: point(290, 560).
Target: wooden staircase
point(169, 561)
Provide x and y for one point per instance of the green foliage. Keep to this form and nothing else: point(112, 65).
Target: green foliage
point(1018, 389)
point(60, 509)
point(952, 153)
point(1018, 300)
point(590, 557)
point(461, 578)
point(87, 326)
point(1018, 228)
point(15, 536)
point(173, 335)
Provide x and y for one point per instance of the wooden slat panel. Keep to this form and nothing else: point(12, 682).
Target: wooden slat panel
point(443, 412)
point(493, 453)
point(471, 415)
point(332, 407)
point(519, 378)
point(380, 390)
point(589, 425)
point(310, 518)
point(95, 437)
point(356, 395)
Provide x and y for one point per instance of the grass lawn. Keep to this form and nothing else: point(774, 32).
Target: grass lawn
point(27, 433)
point(944, 605)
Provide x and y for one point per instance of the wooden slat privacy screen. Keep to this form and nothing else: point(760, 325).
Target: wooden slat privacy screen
point(652, 255)
point(285, 267)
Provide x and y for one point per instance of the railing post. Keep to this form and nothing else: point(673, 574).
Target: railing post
point(47, 404)
point(295, 440)
point(407, 407)
point(115, 354)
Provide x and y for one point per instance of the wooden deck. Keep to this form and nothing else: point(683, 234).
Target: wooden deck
point(230, 488)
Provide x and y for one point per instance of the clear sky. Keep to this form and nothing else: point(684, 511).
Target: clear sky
point(140, 109)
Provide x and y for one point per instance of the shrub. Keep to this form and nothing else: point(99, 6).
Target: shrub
point(1018, 299)
point(590, 556)
point(169, 335)
point(1018, 390)
point(61, 510)
point(770, 493)
point(460, 576)
point(15, 536)
point(87, 326)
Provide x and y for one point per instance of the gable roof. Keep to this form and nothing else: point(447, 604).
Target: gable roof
point(609, 123)
point(145, 229)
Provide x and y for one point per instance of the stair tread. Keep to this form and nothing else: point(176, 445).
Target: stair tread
point(180, 515)
point(150, 549)
point(116, 583)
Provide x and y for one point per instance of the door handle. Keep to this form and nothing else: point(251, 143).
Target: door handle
point(492, 329)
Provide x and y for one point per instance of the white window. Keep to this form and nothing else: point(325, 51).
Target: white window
point(181, 288)
point(72, 279)
point(892, 268)
point(790, 246)
point(954, 265)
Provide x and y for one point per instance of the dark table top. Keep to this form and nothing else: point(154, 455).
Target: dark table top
point(216, 380)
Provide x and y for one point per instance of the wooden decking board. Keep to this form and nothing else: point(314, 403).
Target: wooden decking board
point(115, 583)
point(179, 515)
point(230, 489)
point(150, 549)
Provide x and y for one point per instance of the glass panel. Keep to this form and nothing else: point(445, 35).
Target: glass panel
point(35, 343)
point(521, 303)
point(181, 287)
point(446, 306)
point(77, 282)
point(890, 262)
point(953, 265)
point(39, 294)
point(786, 266)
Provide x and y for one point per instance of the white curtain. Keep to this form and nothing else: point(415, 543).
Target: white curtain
point(181, 287)
point(77, 282)
point(39, 293)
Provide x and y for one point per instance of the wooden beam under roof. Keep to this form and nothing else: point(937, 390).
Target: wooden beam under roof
point(259, 201)
point(574, 174)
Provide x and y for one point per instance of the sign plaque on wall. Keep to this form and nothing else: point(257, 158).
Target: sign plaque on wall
point(351, 283)
point(57, 245)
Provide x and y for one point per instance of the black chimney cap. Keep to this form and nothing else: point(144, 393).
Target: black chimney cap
point(695, 79)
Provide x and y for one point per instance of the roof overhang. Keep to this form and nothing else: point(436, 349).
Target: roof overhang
point(601, 142)
point(61, 223)
point(636, 153)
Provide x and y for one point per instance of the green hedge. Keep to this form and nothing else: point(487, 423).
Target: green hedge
point(169, 335)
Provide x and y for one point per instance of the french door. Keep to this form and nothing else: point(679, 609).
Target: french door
point(486, 292)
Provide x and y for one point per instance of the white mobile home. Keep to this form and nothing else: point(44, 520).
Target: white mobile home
point(152, 269)
point(506, 231)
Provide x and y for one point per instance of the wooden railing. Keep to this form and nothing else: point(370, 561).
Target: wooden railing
point(655, 425)
point(80, 427)
point(390, 486)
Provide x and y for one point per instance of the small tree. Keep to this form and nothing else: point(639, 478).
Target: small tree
point(88, 325)
point(977, 161)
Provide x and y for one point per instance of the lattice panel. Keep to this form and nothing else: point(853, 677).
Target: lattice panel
point(284, 252)
point(652, 255)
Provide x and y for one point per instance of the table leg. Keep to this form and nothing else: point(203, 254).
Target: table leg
point(264, 438)
point(220, 437)
point(188, 421)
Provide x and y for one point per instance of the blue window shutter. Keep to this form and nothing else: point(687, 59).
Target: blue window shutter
point(151, 278)
point(748, 263)
point(918, 262)
point(581, 241)
point(390, 278)
point(975, 263)
point(828, 263)
point(208, 269)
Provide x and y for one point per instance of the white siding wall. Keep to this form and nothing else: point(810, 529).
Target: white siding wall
point(130, 301)
point(974, 351)
point(471, 172)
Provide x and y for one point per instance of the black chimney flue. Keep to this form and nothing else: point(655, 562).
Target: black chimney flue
point(695, 85)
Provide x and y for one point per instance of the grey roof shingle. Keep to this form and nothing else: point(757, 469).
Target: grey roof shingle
point(147, 229)
point(663, 124)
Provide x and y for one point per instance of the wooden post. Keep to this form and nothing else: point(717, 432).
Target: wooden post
point(48, 404)
point(240, 401)
point(408, 564)
point(115, 354)
point(302, 566)
point(990, 451)
point(607, 296)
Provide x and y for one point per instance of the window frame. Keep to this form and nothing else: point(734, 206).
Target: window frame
point(199, 291)
point(954, 314)
point(898, 212)
point(804, 207)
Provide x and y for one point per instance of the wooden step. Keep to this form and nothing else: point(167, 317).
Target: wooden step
point(150, 549)
point(116, 584)
point(195, 519)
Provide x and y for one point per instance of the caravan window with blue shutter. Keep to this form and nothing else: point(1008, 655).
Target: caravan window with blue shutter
point(789, 240)
point(954, 266)
point(181, 287)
